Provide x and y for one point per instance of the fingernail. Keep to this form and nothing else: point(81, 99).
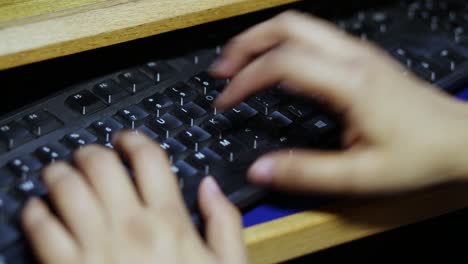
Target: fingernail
point(211, 187)
point(34, 214)
point(262, 171)
point(220, 65)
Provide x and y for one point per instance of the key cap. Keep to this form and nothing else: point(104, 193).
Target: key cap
point(9, 235)
point(148, 132)
point(106, 127)
point(80, 138)
point(183, 170)
point(203, 159)
point(277, 121)
point(133, 115)
point(6, 178)
point(191, 113)
point(174, 148)
point(263, 102)
point(167, 125)
point(84, 102)
point(228, 148)
point(52, 152)
point(317, 128)
point(14, 134)
point(134, 81)
point(158, 104)
point(217, 125)
point(8, 206)
point(109, 91)
point(297, 111)
point(240, 114)
point(18, 253)
point(31, 188)
point(404, 56)
point(206, 102)
point(449, 59)
point(181, 93)
point(205, 83)
point(428, 70)
point(195, 137)
point(251, 137)
point(24, 166)
point(41, 122)
point(159, 71)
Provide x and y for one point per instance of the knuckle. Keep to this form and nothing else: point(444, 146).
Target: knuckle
point(139, 230)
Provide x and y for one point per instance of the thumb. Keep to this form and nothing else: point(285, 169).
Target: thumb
point(223, 224)
point(328, 172)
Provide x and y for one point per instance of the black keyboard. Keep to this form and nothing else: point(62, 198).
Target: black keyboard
point(169, 98)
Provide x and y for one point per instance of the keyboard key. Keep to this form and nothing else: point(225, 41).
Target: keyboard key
point(252, 138)
point(41, 122)
point(158, 104)
point(110, 91)
point(240, 114)
point(7, 178)
point(204, 159)
point(205, 83)
point(181, 93)
point(183, 170)
point(218, 125)
point(206, 102)
point(228, 148)
point(263, 102)
point(174, 148)
point(52, 152)
point(191, 113)
point(24, 166)
point(166, 125)
point(31, 188)
point(277, 121)
point(297, 111)
point(147, 131)
point(133, 115)
point(159, 71)
point(8, 206)
point(134, 81)
point(194, 137)
point(106, 127)
point(14, 134)
point(9, 235)
point(80, 138)
point(84, 102)
point(449, 59)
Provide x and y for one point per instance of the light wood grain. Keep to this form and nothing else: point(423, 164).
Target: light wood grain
point(312, 231)
point(30, 38)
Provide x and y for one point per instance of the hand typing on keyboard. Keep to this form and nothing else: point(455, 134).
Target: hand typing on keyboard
point(400, 134)
point(106, 220)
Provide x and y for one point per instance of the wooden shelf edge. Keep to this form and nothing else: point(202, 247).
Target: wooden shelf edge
point(103, 25)
point(312, 231)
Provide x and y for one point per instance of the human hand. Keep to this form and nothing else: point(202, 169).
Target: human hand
point(401, 133)
point(102, 218)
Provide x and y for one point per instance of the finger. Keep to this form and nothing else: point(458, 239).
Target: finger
point(352, 172)
point(289, 26)
point(50, 240)
point(156, 182)
point(222, 223)
point(109, 179)
point(73, 199)
point(301, 68)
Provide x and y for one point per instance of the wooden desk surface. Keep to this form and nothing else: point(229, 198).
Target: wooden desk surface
point(36, 30)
